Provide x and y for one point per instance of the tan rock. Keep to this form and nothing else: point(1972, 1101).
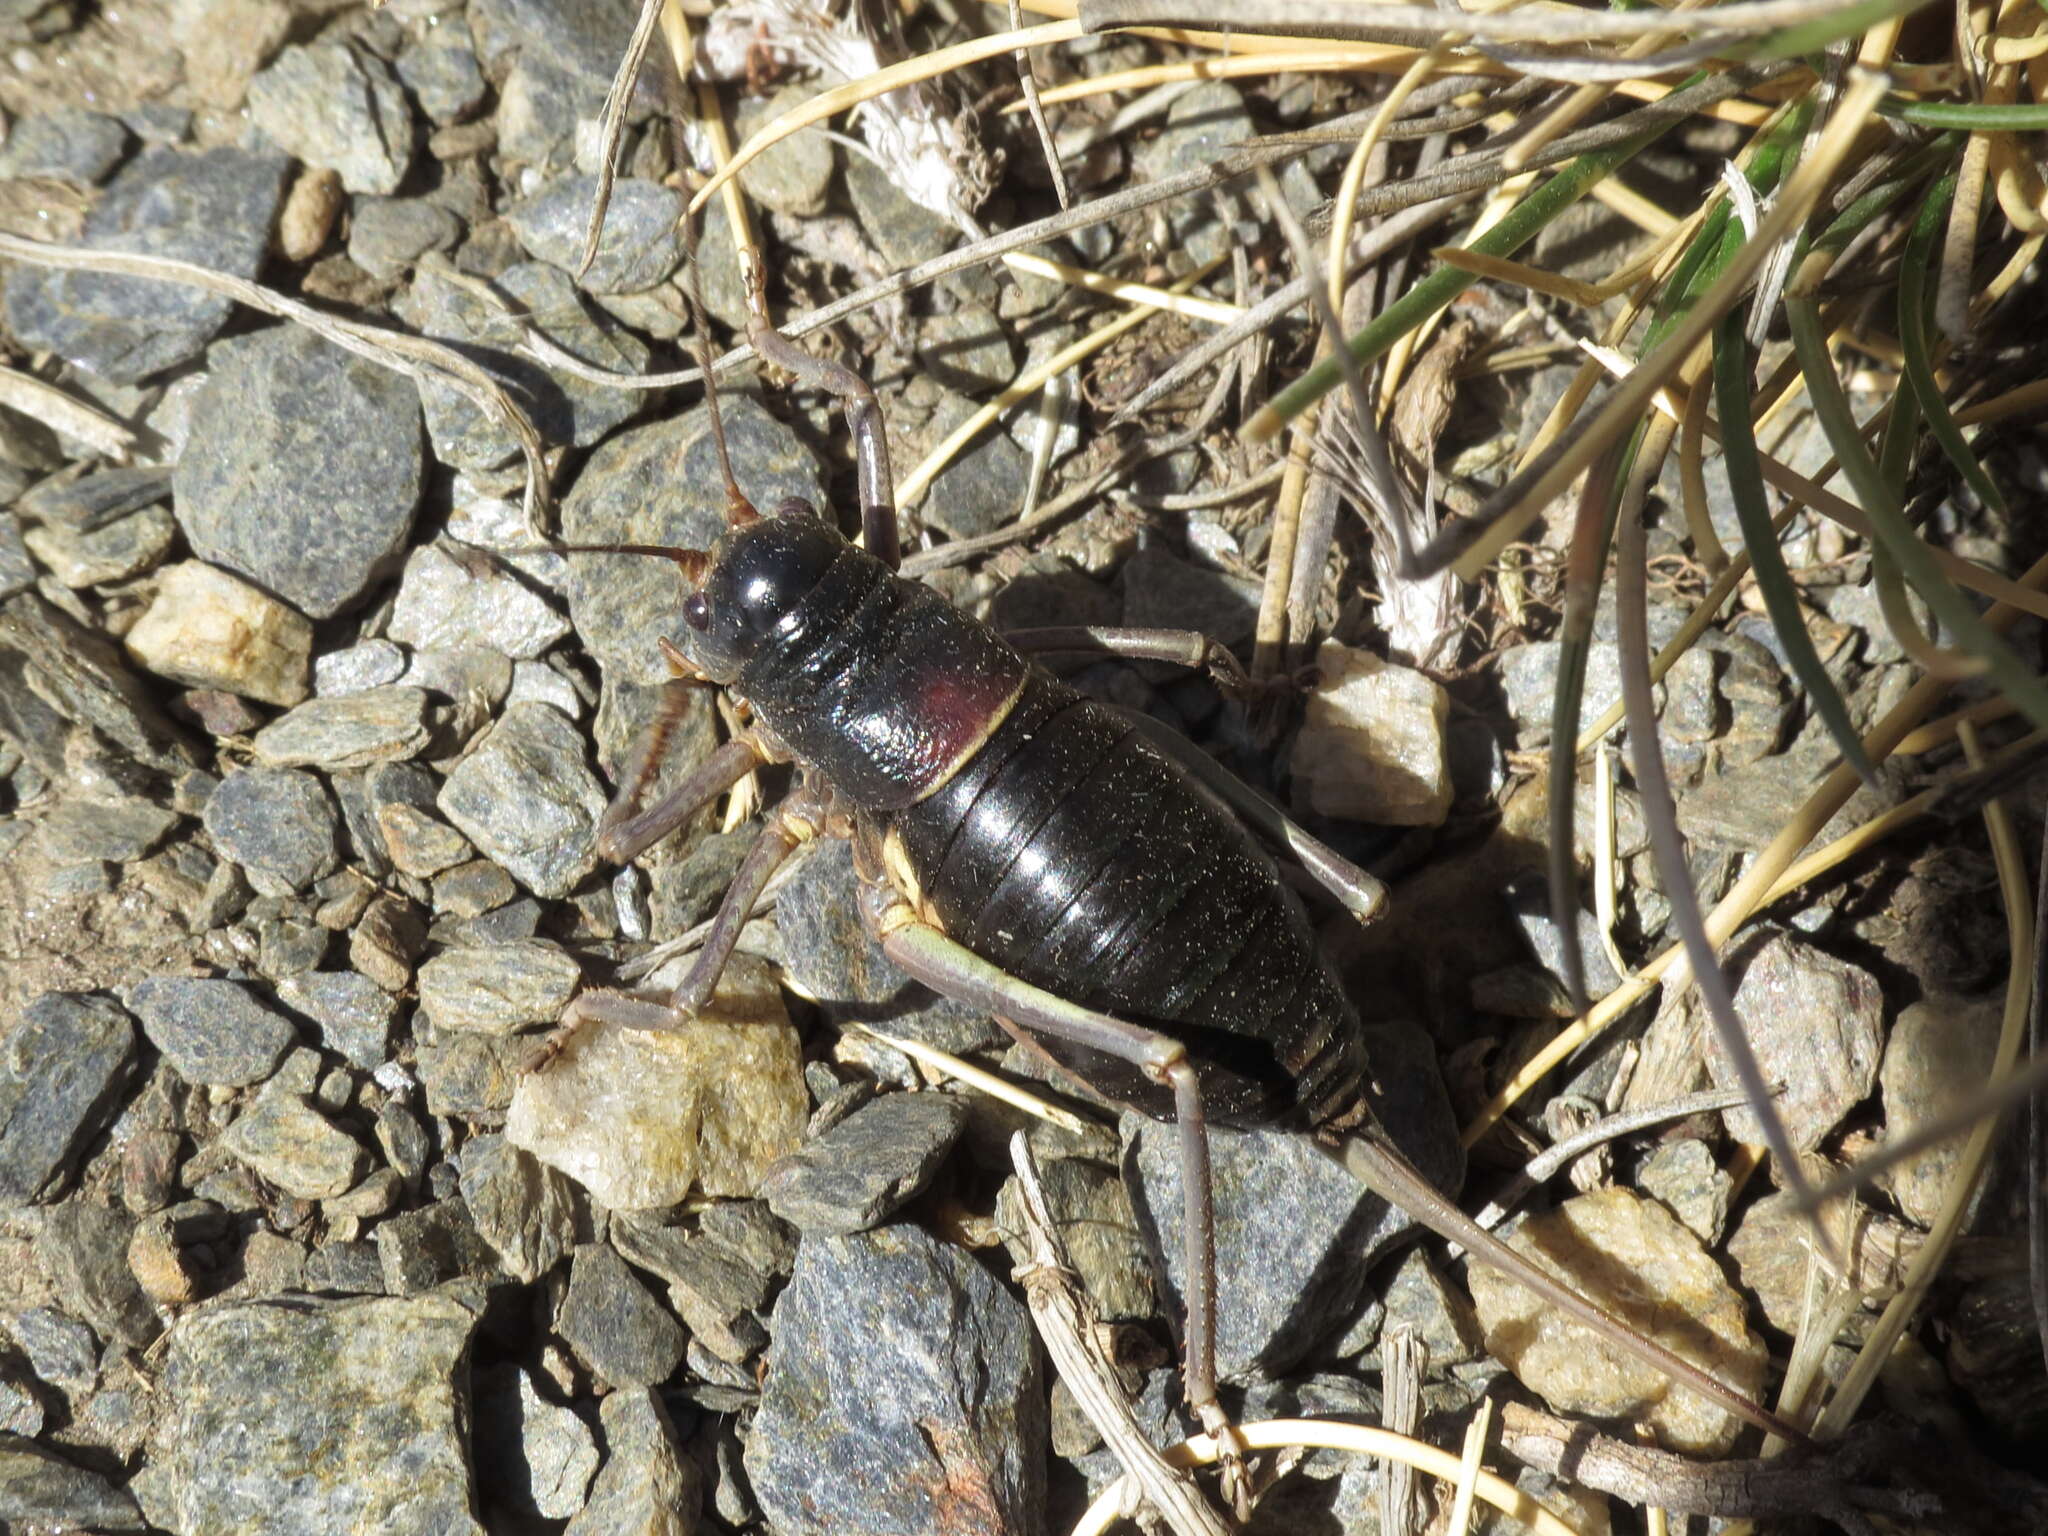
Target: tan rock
point(208, 629)
point(1372, 743)
point(1939, 1054)
point(642, 1118)
point(1639, 1263)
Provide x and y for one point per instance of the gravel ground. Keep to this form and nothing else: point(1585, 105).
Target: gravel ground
point(303, 745)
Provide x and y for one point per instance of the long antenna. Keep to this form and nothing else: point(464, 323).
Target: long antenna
point(737, 508)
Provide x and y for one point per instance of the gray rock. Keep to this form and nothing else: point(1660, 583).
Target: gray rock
point(66, 145)
point(903, 231)
point(1528, 899)
point(377, 725)
point(1420, 1299)
point(1685, 1177)
point(1939, 1054)
point(902, 1377)
point(444, 602)
point(660, 484)
point(338, 107)
point(279, 824)
point(524, 1209)
point(83, 1248)
point(345, 1269)
point(212, 1031)
point(1294, 1232)
point(527, 798)
point(1162, 591)
point(1815, 1024)
point(386, 235)
point(213, 209)
point(444, 79)
point(646, 1487)
point(63, 1069)
point(720, 1275)
point(867, 1166)
point(21, 1409)
point(967, 349)
point(983, 487)
point(353, 1013)
point(118, 551)
point(61, 1350)
point(498, 989)
point(1528, 673)
point(1098, 1228)
point(17, 572)
point(539, 106)
point(471, 1075)
point(291, 1144)
point(303, 468)
point(79, 676)
point(120, 831)
point(533, 1456)
point(418, 1250)
point(94, 500)
point(379, 1402)
point(1203, 122)
point(42, 1491)
point(639, 247)
point(1741, 808)
point(586, 36)
point(366, 664)
point(403, 1140)
point(831, 959)
point(615, 1324)
point(794, 176)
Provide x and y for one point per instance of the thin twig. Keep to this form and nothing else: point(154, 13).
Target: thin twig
point(415, 357)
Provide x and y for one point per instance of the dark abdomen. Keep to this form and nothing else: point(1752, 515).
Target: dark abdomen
point(1073, 854)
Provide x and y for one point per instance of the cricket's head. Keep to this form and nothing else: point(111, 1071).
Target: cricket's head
point(754, 578)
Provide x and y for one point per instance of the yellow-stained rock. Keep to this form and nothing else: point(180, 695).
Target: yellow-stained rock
point(643, 1118)
point(1639, 1263)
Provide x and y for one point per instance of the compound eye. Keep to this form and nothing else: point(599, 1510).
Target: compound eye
point(697, 611)
point(794, 506)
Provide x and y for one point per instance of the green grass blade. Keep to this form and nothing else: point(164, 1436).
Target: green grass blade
point(1888, 523)
point(1766, 560)
point(1913, 342)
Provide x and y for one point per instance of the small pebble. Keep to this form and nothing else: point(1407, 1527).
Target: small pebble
point(294, 1146)
point(524, 1209)
point(63, 1066)
point(377, 725)
point(500, 988)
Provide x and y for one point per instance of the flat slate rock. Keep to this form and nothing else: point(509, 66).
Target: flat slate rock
point(1294, 1231)
point(867, 1166)
point(279, 824)
point(528, 800)
point(371, 1435)
point(902, 1378)
point(63, 1066)
point(303, 468)
point(584, 36)
point(214, 209)
point(43, 1491)
point(615, 1323)
point(212, 1031)
point(639, 247)
point(340, 108)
